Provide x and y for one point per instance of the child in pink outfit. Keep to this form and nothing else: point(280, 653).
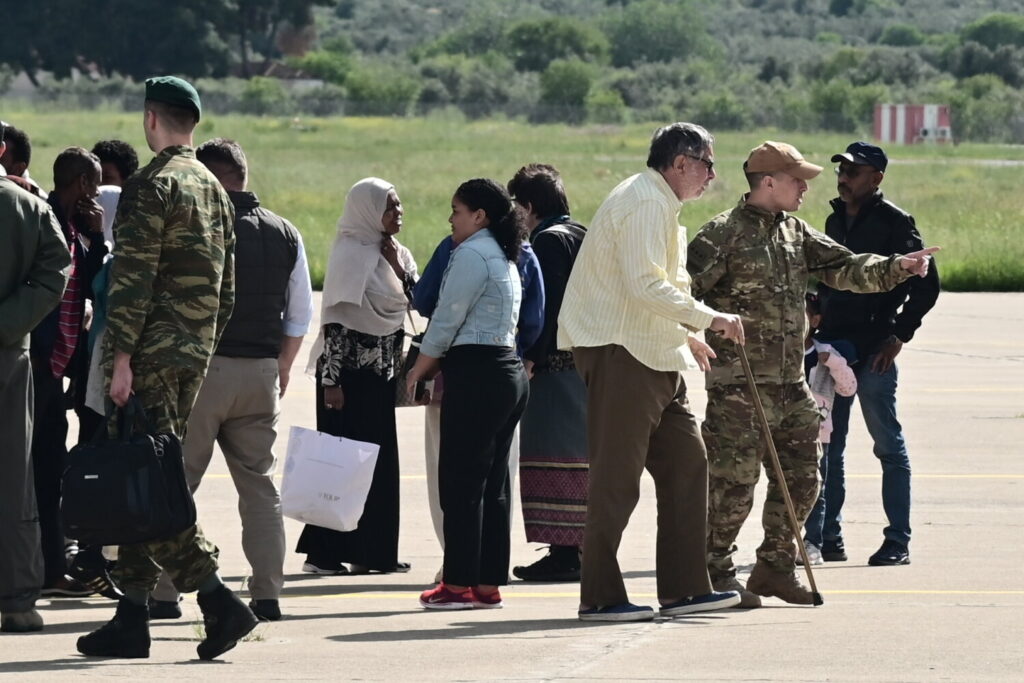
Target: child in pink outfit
point(828, 374)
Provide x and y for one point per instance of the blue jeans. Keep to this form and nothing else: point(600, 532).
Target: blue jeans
point(877, 394)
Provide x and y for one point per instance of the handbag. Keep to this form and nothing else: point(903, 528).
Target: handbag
point(327, 478)
point(403, 397)
point(127, 490)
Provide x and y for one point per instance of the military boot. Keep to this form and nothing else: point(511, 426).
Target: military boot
point(227, 620)
point(729, 583)
point(126, 635)
point(783, 585)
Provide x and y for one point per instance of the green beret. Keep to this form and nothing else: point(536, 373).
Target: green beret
point(175, 91)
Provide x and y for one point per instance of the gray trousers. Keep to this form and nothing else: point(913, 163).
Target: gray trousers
point(21, 560)
point(238, 408)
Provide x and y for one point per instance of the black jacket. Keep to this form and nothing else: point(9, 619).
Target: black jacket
point(880, 227)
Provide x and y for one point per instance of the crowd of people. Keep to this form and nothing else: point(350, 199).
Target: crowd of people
point(553, 351)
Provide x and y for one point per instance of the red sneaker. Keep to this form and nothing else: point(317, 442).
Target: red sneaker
point(440, 597)
point(490, 601)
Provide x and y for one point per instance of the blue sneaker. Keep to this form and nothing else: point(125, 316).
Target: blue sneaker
point(701, 603)
point(624, 612)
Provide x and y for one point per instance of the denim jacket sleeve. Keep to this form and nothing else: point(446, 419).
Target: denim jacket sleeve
point(463, 283)
point(428, 288)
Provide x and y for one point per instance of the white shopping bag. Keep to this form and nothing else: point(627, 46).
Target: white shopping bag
point(326, 478)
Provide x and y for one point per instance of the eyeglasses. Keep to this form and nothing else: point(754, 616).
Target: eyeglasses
point(848, 171)
point(707, 162)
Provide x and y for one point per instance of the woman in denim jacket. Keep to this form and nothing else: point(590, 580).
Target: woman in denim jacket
point(471, 338)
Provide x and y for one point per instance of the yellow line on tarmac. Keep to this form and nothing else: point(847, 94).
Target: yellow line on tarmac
point(942, 476)
point(517, 594)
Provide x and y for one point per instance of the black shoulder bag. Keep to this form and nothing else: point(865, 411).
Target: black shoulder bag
point(126, 490)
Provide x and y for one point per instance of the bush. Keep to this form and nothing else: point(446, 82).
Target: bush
point(901, 35)
point(533, 45)
point(995, 30)
point(605, 106)
point(563, 89)
point(326, 65)
point(327, 100)
point(380, 90)
point(653, 31)
point(263, 96)
point(844, 107)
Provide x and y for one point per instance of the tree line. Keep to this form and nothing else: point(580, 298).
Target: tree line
point(791, 64)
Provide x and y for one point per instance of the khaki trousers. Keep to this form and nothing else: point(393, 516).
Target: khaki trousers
point(639, 418)
point(238, 408)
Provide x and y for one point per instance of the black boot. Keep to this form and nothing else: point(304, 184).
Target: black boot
point(126, 635)
point(562, 563)
point(227, 620)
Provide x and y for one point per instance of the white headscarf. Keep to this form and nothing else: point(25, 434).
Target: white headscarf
point(361, 290)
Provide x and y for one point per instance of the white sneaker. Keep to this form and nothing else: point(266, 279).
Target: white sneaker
point(813, 554)
point(310, 568)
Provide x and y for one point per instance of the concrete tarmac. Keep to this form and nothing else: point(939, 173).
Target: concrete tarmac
point(954, 614)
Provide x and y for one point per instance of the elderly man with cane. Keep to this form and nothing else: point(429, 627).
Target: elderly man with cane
point(755, 259)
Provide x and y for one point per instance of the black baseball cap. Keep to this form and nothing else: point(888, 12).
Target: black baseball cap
point(863, 154)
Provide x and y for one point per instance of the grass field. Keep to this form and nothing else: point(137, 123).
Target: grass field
point(965, 198)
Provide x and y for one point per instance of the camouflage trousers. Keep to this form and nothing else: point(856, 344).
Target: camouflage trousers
point(736, 452)
point(167, 395)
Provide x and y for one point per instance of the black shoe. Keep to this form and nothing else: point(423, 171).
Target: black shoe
point(266, 610)
point(562, 563)
point(164, 609)
point(890, 554)
point(227, 620)
point(833, 551)
point(126, 635)
point(90, 569)
point(66, 587)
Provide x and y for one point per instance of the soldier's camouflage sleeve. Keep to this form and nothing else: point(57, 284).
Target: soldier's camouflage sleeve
point(840, 268)
point(140, 226)
point(704, 258)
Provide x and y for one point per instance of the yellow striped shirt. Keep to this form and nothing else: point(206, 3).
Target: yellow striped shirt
point(629, 285)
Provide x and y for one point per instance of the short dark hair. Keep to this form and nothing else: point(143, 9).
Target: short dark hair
point(754, 179)
point(120, 154)
point(226, 153)
point(674, 139)
point(178, 119)
point(540, 186)
point(73, 163)
point(19, 146)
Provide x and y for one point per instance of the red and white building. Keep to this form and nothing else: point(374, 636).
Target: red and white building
point(907, 124)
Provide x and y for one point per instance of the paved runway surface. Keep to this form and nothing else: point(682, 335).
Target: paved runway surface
point(952, 615)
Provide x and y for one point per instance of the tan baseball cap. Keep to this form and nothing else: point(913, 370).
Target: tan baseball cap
point(773, 157)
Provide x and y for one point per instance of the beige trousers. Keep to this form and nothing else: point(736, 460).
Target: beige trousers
point(238, 409)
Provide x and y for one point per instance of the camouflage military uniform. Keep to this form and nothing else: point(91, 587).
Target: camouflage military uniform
point(171, 293)
point(756, 264)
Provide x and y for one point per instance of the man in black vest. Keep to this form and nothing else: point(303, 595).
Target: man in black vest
point(878, 325)
point(238, 404)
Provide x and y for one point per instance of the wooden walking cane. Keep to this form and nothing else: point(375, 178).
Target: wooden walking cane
point(794, 523)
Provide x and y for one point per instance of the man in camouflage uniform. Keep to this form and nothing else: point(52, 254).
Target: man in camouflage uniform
point(171, 293)
point(756, 259)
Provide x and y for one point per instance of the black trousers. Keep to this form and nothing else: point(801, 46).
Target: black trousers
point(49, 458)
point(368, 415)
point(485, 393)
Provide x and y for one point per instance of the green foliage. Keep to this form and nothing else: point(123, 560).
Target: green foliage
point(378, 89)
point(842, 106)
point(265, 96)
point(605, 106)
point(534, 44)
point(566, 82)
point(901, 35)
point(996, 30)
point(653, 31)
point(326, 65)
